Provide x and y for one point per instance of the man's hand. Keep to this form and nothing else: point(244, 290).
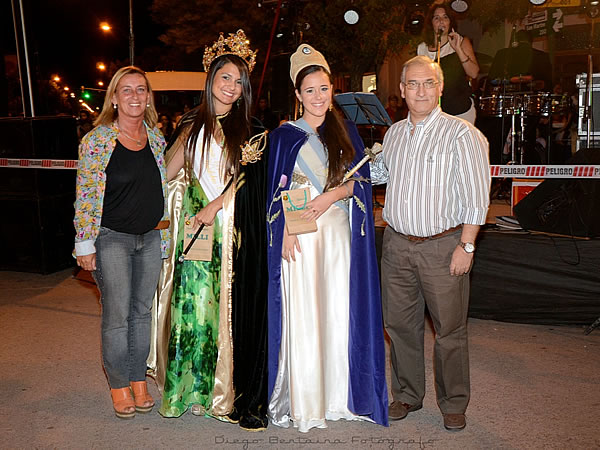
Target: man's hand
point(461, 262)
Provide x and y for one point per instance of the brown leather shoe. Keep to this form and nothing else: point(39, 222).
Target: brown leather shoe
point(398, 410)
point(454, 422)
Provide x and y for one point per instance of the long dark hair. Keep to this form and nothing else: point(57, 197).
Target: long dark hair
point(428, 35)
point(333, 133)
point(235, 125)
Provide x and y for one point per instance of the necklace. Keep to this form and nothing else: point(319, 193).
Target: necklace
point(137, 141)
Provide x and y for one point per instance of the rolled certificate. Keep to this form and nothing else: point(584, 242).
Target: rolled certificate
point(370, 154)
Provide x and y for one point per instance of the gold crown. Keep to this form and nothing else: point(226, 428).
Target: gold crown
point(236, 44)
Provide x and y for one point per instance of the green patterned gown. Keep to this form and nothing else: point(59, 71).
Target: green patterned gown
point(193, 350)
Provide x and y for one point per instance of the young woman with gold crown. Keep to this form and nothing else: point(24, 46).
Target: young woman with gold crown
point(217, 304)
point(326, 349)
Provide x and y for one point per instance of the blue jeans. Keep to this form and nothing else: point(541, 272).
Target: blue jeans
point(127, 271)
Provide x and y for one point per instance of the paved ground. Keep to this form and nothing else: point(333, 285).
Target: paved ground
point(533, 387)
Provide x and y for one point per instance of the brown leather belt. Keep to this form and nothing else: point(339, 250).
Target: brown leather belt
point(435, 236)
point(162, 225)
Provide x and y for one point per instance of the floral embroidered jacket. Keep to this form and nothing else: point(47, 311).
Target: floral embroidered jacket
point(95, 151)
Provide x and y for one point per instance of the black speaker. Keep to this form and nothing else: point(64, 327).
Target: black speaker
point(569, 207)
point(52, 137)
point(36, 230)
point(37, 233)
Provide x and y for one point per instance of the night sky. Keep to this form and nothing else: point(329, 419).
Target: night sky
point(64, 37)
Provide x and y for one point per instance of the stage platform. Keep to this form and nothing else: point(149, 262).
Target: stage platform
point(534, 278)
point(527, 278)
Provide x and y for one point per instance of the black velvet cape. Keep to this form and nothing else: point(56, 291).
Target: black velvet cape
point(249, 294)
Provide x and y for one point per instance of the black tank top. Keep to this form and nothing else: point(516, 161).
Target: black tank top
point(456, 98)
point(133, 199)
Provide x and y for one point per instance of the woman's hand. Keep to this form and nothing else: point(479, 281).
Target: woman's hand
point(207, 214)
point(455, 40)
point(290, 244)
point(87, 262)
point(321, 203)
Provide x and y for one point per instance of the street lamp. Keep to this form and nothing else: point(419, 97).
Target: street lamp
point(131, 32)
point(105, 26)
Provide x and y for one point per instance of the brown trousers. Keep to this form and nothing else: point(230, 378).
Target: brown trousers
point(415, 275)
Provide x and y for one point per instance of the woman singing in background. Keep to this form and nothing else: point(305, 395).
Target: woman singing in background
point(457, 60)
point(119, 210)
point(326, 349)
point(218, 308)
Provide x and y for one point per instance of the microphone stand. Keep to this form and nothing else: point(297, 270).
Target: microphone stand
point(439, 44)
point(587, 108)
point(587, 116)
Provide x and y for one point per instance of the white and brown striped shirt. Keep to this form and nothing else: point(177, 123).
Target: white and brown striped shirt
point(439, 175)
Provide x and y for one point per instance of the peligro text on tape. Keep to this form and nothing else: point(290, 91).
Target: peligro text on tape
point(571, 171)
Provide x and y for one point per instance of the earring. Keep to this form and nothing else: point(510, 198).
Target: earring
point(239, 102)
point(148, 105)
point(331, 107)
point(114, 106)
point(300, 109)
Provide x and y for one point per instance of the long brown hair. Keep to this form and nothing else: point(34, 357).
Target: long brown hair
point(109, 114)
point(235, 125)
point(333, 132)
point(428, 35)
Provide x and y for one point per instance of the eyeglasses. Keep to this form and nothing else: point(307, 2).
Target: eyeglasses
point(414, 85)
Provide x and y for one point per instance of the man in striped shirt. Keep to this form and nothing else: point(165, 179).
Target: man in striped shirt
point(437, 197)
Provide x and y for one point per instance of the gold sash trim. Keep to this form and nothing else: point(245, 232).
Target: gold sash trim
point(223, 394)
point(161, 304)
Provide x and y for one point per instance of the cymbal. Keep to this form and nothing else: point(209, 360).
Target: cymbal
point(522, 79)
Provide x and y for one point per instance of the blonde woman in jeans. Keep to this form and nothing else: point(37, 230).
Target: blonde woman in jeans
point(121, 226)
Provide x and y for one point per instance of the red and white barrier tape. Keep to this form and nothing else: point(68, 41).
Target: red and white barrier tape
point(38, 163)
point(508, 171)
point(515, 171)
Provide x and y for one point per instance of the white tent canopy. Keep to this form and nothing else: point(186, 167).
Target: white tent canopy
point(177, 81)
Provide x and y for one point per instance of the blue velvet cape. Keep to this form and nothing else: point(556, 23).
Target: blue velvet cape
point(367, 394)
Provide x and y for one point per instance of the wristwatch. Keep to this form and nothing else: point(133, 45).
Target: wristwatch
point(468, 247)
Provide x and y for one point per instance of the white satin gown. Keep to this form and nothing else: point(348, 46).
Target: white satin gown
point(312, 379)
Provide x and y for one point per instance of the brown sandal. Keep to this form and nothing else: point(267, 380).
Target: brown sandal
point(143, 400)
point(123, 403)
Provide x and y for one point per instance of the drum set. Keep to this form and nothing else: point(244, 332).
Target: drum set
point(520, 106)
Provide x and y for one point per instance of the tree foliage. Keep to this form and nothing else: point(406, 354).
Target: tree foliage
point(190, 25)
point(384, 27)
point(355, 49)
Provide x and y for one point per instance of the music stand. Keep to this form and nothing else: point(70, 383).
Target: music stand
point(364, 109)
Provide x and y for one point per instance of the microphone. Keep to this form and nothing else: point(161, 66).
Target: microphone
point(513, 37)
point(440, 31)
